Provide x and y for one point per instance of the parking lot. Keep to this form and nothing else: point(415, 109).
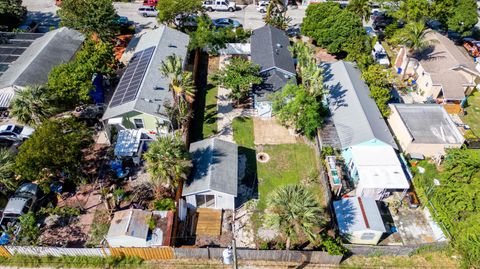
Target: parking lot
point(44, 12)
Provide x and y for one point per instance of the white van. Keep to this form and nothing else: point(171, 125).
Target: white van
point(219, 5)
point(380, 55)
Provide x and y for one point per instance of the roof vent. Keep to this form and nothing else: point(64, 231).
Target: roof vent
point(279, 45)
point(170, 45)
point(147, 100)
point(158, 88)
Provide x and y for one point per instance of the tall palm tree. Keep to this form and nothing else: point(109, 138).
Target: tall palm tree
point(172, 68)
point(32, 105)
point(6, 169)
point(360, 7)
point(276, 14)
point(186, 87)
point(312, 79)
point(168, 162)
point(413, 37)
point(295, 212)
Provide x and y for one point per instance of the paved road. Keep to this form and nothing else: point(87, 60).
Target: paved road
point(44, 11)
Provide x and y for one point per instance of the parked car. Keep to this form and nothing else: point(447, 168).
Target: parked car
point(15, 132)
point(472, 46)
point(147, 11)
point(123, 21)
point(370, 32)
point(262, 6)
point(377, 14)
point(23, 201)
point(380, 55)
point(189, 20)
point(219, 5)
point(294, 30)
point(381, 22)
point(226, 22)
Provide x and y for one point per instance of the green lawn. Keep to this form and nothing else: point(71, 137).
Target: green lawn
point(289, 164)
point(472, 117)
point(210, 116)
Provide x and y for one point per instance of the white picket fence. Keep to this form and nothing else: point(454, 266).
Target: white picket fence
point(57, 251)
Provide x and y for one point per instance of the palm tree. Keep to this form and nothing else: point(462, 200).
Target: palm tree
point(172, 68)
point(6, 169)
point(276, 14)
point(168, 162)
point(413, 37)
point(295, 212)
point(32, 105)
point(360, 7)
point(312, 79)
point(186, 89)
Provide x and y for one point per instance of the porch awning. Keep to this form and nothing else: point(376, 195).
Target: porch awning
point(127, 143)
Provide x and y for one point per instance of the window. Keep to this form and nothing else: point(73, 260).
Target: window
point(205, 200)
point(367, 236)
point(138, 123)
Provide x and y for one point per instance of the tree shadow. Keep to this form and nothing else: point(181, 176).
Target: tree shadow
point(196, 127)
point(248, 184)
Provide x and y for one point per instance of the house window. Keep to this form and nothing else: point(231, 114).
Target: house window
point(138, 123)
point(367, 236)
point(205, 200)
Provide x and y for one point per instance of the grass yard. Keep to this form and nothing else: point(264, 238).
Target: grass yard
point(210, 115)
point(243, 132)
point(472, 117)
point(434, 259)
point(289, 164)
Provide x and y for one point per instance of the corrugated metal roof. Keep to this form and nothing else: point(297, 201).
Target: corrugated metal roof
point(215, 167)
point(353, 215)
point(130, 222)
point(6, 96)
point(356, 117)
point(428, 123)
point(128, 142)
point(154, 91)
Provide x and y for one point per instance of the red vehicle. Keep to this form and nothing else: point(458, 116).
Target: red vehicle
point(472, 46)
point(151, 3)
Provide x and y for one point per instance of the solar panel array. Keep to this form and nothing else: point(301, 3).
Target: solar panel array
point(12, 45)
point(131, 80)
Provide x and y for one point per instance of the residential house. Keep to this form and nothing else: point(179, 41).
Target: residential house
point(33, 61)
point(214, 178)
point(424, 129)
point(269, 49)
point(139, 99)
point(131, 228)
point(442, 72)
point(359, 220)
point(366, 144)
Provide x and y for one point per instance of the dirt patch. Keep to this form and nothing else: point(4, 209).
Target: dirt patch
point(213, 64)
point(270, 132)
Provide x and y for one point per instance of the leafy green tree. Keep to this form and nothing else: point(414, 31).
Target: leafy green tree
point(464, 17)
point(32, 105)
point(295, 107)
point(7, 161)
point(413, 37)
point(276, 14)
point(360, 7)
point(413, 10)
point(29, 231)
point(70, 83)
point(11, 13)
point(294, 211)
point(332, 27)
point(307, 69)
point(164, 204)
point(238, 75)
point(381, 96)
point(168, 162)
point(358, 50)
point(55, 146)
point(169, 10)
point(380, 81)
point(205, 38)
point(89, 16)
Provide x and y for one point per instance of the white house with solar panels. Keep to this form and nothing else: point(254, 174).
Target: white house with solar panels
point(139, 99)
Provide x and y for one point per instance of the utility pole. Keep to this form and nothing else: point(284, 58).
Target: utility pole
point(235, 261)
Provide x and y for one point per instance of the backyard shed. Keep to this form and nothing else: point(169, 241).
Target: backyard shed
point(214, 178)
point(131, 228)
point(36, 61)
point(359, 220)
point(425, 129)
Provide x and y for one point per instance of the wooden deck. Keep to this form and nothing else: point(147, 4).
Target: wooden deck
point(209, 222)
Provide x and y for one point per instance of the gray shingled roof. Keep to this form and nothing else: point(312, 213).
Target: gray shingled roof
point(358, 214)
point(429, 124)
point(215, 167)
point(356, 117)
point(274, 80)
point(32, 67)
point(153, 92)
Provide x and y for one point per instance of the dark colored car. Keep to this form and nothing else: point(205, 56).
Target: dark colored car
point(226, 22)
point(23, 201)
point(380, 23)
point(294, 30)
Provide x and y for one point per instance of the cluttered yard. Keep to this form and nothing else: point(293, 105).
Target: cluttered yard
point(472, 113)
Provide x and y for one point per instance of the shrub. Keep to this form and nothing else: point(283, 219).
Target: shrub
point(164, 204)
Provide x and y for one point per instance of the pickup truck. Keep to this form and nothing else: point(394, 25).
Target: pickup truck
point(219, 5)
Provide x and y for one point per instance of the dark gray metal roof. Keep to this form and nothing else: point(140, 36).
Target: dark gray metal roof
point(33, 65)
point(429, 124)
point(356, 117)
point(274, 80)
point(12, 45)
point(153, 92)
point(269, 49)
point(358, 214)
point(215, 167)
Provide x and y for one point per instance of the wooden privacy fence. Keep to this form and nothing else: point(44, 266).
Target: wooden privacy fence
point(162, 253)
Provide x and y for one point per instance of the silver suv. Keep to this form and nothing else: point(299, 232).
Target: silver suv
point(147, 11)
